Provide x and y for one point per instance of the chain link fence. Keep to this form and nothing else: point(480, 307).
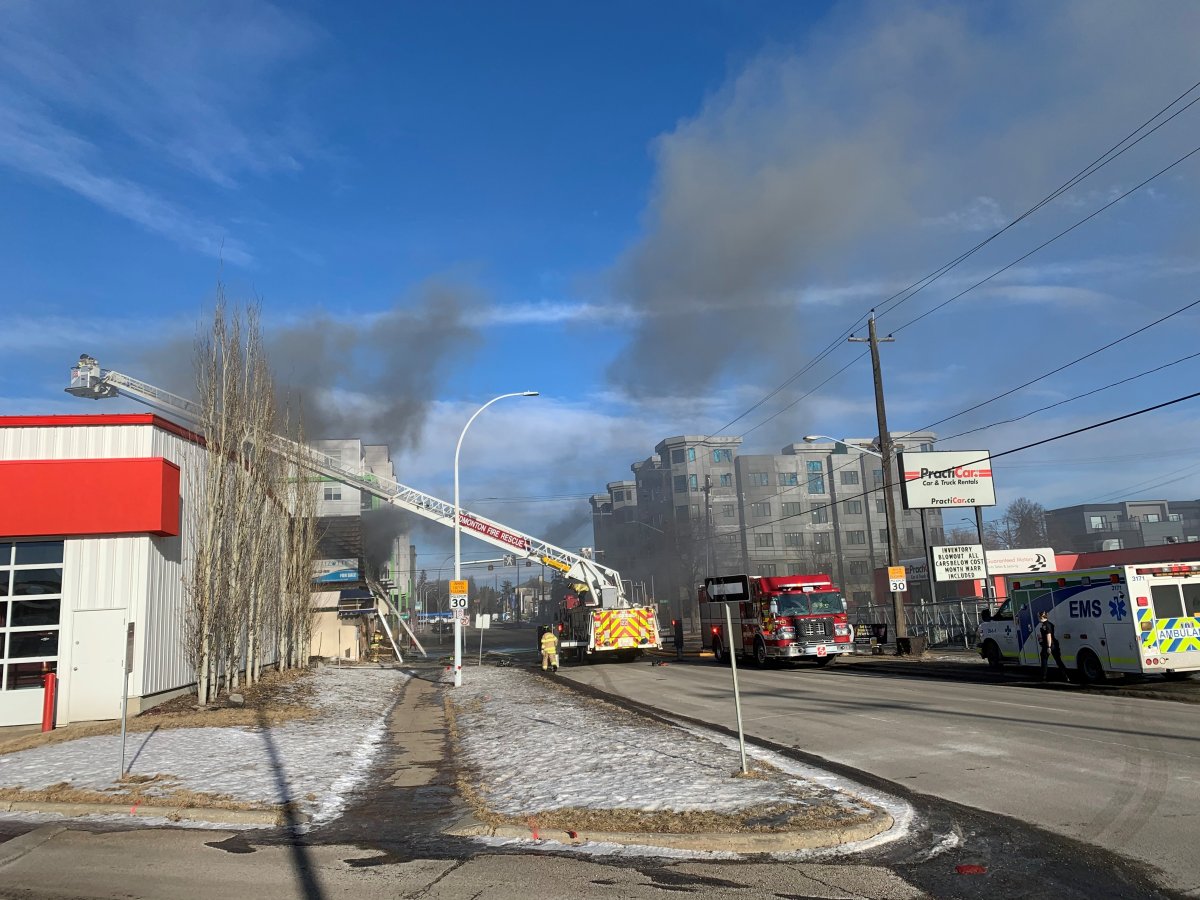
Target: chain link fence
point(945, 625)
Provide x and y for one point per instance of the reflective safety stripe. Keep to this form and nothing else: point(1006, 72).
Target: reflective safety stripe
point(623, 627)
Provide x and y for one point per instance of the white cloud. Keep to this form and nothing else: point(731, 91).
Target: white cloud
point(188, 85)
point(981, 214)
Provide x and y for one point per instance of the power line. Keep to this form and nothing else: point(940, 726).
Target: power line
point(911, 290)
point(1050, 241)
point(1098, 390)
point(994, 456)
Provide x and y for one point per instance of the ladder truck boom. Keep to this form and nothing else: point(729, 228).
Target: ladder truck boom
point(92, 382)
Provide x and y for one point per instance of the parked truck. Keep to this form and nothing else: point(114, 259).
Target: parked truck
point(1140, 618)
point(775, 618)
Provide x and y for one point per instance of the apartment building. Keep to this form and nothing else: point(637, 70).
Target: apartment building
point(1122, 525)
point(700, 506)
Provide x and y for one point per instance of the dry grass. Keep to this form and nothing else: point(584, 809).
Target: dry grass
point(279, 697)
point(156, 790)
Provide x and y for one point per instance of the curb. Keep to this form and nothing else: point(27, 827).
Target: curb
point(191, 813)
point(730, 842)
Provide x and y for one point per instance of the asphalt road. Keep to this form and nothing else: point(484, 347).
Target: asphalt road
point(1118, 773)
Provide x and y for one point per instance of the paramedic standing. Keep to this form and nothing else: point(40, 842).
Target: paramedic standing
point(1048, 641)
point(549, 644)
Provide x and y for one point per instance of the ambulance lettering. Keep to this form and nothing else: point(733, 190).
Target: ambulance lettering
point(1085, 609)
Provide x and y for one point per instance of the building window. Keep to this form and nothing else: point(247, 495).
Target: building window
point(618, 496)
point(31, 574)
point(760, 509)
point(849, 477)
point(788, 479)
point(881, 506)
point(821, 542)
point(1151, 517)
point(725, 479)
point(681, 484)
point(764, 540)
point(332, 492)
point(820, 515)
point(720, 456)
point(927, 448)
point(676, 456)
point(759, 479)
point(766, 570)
point(862, 598)
point(858, 567)
point(730, 538)
point(694, 510)
point(797, 569)
point(856, 537)
point(792, 509)
point(793, 539)
point(910, 536)
point(854, 507)
point(1097, 523)
point(877, 474)
point(693, 482)
point(816, 478)
point(681, 512)
point(728, 510)
point(883, 536)
point(691, 454)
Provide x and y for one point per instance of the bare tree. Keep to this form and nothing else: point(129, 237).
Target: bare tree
point(1022, 525)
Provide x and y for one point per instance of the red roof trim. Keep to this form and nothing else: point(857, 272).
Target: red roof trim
point(116, 419)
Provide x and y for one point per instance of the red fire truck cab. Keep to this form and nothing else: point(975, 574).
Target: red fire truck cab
point(785, 617)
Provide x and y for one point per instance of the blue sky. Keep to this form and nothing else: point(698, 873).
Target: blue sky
point(653, 213)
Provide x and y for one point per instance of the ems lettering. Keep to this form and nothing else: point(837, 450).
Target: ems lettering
point(1085, 609)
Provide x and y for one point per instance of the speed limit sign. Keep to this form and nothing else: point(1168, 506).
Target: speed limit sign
point(897, 579)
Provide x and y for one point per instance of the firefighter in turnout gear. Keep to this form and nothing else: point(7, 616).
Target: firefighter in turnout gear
point(549, 644)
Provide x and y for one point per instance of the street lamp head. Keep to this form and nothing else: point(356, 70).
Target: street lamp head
point(529, 393)
point(810, 438)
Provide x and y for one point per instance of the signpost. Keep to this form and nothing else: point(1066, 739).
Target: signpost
point(482, 621)
point(458, 608)
point(727, 590)
point(125, 693)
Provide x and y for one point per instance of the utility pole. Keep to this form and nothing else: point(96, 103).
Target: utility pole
point(887, 451)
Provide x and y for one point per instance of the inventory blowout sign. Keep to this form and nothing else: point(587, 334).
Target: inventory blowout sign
point(947, 478)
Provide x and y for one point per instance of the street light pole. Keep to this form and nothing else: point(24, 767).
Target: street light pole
point(458, 528)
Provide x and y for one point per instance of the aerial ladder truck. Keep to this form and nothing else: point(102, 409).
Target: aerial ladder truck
point(604, 585)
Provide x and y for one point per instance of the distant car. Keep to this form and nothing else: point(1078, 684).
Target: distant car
point(442, 626)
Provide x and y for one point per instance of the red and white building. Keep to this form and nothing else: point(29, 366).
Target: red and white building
point(93, 513)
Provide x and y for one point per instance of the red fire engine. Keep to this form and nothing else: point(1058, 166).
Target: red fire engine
point(787, 617)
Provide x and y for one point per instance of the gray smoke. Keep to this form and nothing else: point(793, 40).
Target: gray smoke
point(374, 378)
point(887, 142)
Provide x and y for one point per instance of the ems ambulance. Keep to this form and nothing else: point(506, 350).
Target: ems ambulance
point(1142, 618)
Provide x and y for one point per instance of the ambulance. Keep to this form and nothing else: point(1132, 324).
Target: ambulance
point(1141, 618)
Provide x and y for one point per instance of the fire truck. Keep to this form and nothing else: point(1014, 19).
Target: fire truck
point(589, 628)
point(1142, 618)
point(789, 617)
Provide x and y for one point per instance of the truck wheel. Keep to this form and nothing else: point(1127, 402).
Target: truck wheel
point(719, 655)
point(991, 652)
point(760, 653)
point(1090, 670)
